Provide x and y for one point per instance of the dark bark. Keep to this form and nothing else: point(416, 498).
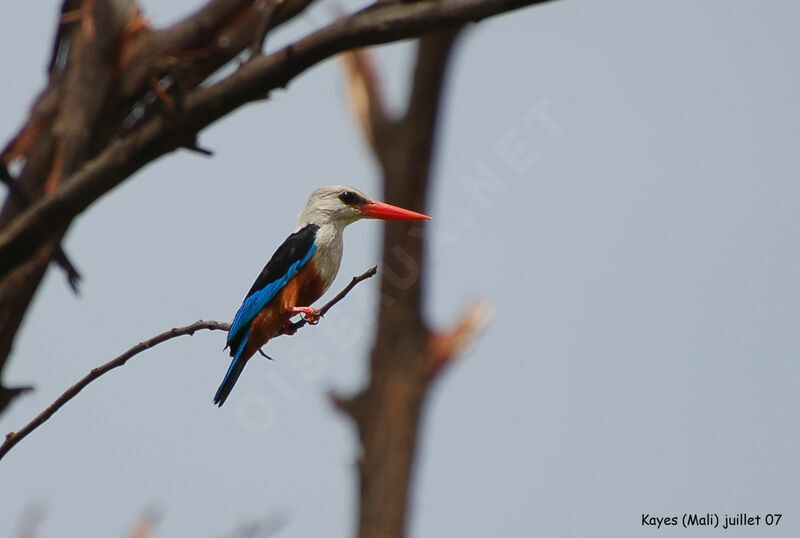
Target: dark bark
point(75, 153)
point(81, 140)
point(113, 60)
point(407, 353)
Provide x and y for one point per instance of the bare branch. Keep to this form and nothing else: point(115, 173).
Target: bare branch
point(12, 438)
point(366, 97)
point(448, 345)
point(195, 148)
point(407, 354)
point(57, 139)
point(379, 24)
point(109, 72)
point(60, 257)
point(339, 296)
point(197, 46)
point(269, 12)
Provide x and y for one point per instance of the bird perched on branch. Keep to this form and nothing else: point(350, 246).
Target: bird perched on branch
point(299, 272)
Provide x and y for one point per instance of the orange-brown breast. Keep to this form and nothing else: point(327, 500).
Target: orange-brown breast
point(302, 290)
point(305, 288)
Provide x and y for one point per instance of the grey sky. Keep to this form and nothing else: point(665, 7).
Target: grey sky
point(643, 268)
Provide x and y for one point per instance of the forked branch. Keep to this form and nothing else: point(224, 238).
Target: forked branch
point(380, 23)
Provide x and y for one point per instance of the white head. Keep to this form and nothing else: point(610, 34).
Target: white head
point(340, 205)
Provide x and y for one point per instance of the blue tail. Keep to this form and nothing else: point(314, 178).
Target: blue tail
point(234, 371)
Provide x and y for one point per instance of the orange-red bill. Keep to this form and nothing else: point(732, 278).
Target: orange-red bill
point(380, 210)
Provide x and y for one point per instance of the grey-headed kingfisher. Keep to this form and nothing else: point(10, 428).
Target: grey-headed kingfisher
point(299, 272)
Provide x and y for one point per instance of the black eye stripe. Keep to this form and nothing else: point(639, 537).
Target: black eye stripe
point(350, 198)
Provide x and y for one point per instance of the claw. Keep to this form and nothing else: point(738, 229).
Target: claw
point(311, 314)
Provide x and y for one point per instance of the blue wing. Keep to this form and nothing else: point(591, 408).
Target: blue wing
point(254, 303)
point(290, 257)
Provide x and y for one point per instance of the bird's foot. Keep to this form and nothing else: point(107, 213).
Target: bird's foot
point(311, 314)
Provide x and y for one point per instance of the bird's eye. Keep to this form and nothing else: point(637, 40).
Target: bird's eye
point(349, 197)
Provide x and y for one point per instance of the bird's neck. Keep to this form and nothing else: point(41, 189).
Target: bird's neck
point(328, 234)
point(328, 254)
point(318, 218)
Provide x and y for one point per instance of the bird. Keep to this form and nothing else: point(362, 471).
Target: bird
point(299, 272)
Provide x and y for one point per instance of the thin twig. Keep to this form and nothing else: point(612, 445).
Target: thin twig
point(12, 438)
point(194, 148)
point(324, 310)
point(268, 16)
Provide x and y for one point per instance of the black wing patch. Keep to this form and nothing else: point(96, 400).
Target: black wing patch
point(295, 251)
